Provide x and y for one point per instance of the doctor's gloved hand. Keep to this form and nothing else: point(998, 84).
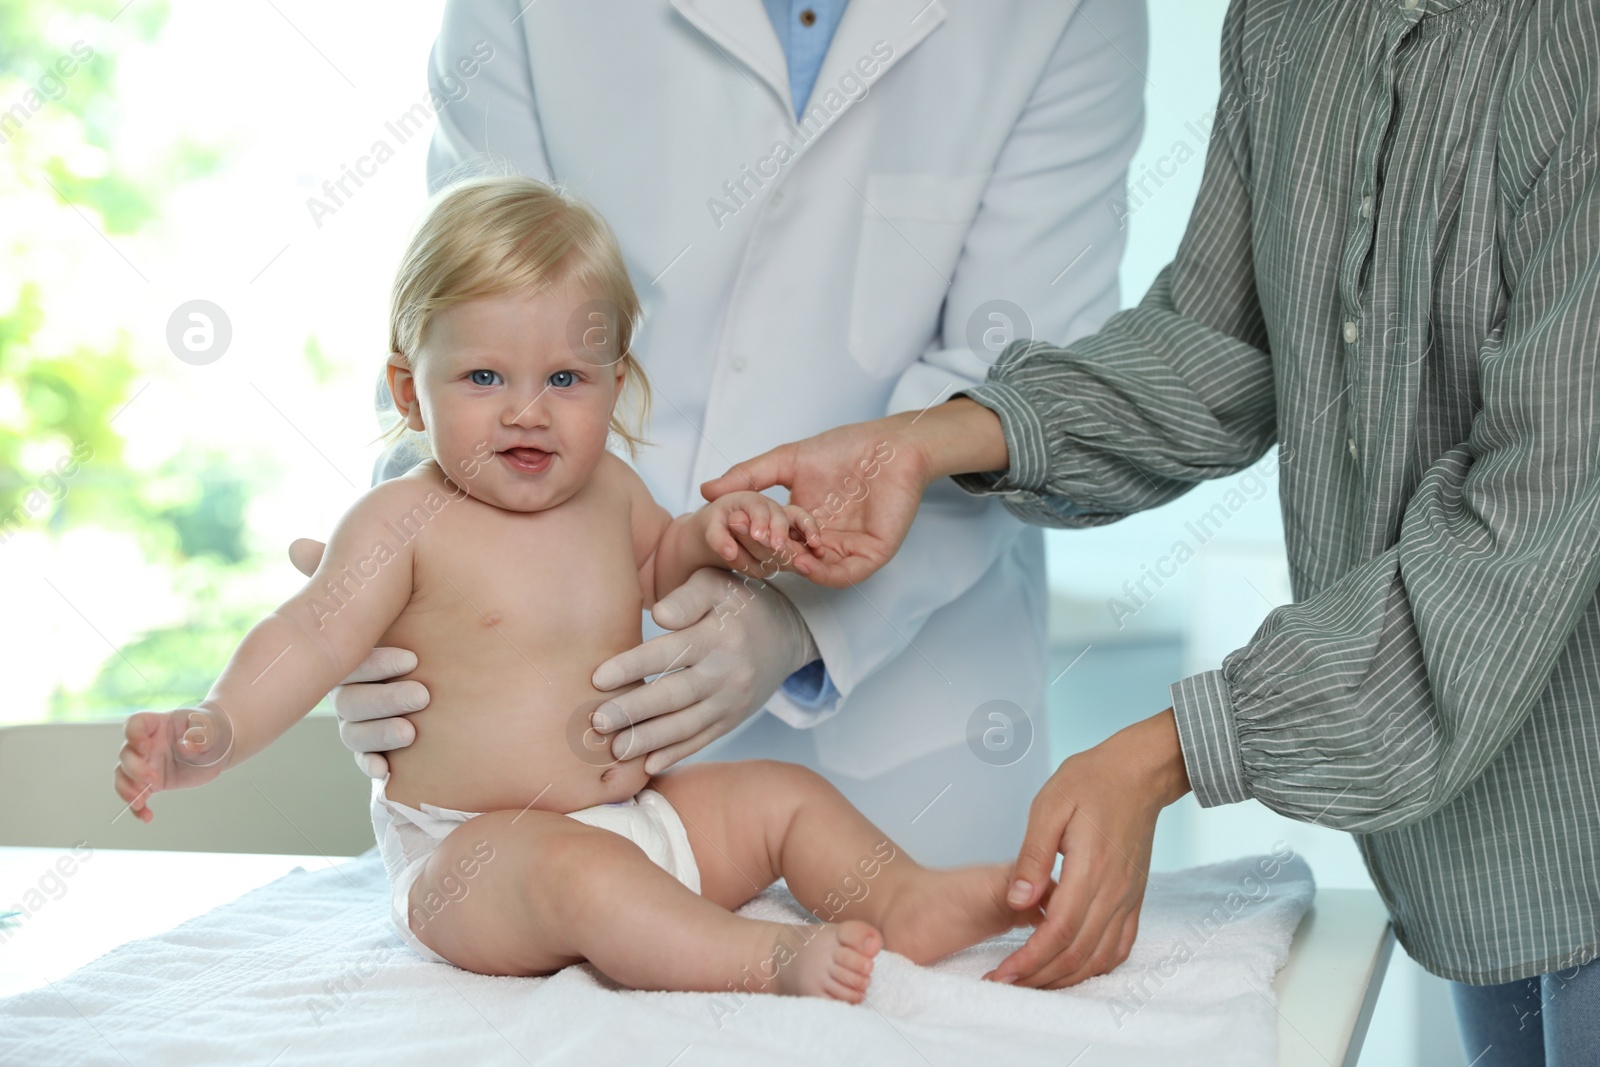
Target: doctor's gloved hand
point(733, 643)
point(368, 704)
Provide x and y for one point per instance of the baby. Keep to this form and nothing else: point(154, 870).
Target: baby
point(513, 562)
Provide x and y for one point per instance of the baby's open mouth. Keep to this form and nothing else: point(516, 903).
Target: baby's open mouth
point(527, 460)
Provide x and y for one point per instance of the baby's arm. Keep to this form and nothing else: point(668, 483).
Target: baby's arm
point(739, 531)
point(288, 661)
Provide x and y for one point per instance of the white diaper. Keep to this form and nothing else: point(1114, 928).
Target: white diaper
point(407, 837)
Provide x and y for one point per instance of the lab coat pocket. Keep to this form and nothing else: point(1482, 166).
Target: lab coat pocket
point(913, 227)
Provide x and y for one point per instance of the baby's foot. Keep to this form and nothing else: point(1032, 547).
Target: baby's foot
point(835, 961)
point(940, 912)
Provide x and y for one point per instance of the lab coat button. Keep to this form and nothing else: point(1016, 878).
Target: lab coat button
point(1351, 332)
point(738, 363)
point(777, 197)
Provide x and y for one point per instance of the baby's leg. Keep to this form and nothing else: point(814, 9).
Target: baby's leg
point(753, 821)
point(545, 891)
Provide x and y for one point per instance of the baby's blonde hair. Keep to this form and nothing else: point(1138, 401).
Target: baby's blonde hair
point(491, 236)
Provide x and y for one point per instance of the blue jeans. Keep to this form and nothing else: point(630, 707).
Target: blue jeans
point(1549, 1021)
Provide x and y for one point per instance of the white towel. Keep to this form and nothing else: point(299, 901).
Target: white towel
point(307, 970)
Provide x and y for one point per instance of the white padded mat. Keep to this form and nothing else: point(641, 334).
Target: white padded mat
point(307, 970)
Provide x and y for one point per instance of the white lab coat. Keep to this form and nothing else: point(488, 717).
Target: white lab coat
point(968, 150)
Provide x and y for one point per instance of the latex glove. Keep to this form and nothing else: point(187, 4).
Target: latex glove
point(1098, 811)
point(369, 706)
point(733, 643)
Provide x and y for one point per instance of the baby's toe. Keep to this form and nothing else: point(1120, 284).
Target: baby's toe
point(862, 937)
point(848, 959)
point(846, 985)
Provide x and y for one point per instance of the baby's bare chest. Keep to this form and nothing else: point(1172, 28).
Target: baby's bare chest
point(563, 579)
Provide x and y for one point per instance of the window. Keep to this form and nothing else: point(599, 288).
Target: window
point(193, 298)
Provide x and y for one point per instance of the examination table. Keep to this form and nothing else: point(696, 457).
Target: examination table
point(297, 964)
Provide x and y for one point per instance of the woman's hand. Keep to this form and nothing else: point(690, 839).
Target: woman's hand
point(368, 704)
point(859, 484)
point(862, 483)
point(1099, 812)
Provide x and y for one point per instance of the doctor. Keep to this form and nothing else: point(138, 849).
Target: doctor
point(820, 204)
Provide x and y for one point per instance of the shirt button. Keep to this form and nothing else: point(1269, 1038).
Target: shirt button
point(808, 17)
point(738, 363)
point(1410, 5)
point(1351, 333)
point(1355, 453)
point(1366, 207)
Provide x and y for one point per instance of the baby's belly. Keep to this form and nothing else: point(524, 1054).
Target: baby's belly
point(484, 746)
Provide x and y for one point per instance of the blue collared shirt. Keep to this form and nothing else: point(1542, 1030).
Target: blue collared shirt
point(804, 46)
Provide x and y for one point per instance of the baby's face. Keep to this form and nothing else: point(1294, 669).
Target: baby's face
point(516, 414)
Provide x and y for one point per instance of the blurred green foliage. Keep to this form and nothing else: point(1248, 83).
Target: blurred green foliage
point(59, 397)
point(67, 397)
point(167, 668)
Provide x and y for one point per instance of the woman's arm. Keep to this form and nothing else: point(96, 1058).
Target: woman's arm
point(959, 436)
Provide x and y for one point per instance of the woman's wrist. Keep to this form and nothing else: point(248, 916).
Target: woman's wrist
point(1157, 755)
point(1168, 771)
point(959, 436)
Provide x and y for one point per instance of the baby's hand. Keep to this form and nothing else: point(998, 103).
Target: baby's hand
point(747, 529)
point(170, 750)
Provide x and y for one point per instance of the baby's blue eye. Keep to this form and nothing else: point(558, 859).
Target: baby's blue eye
point(561, 379)
point(484, 377)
